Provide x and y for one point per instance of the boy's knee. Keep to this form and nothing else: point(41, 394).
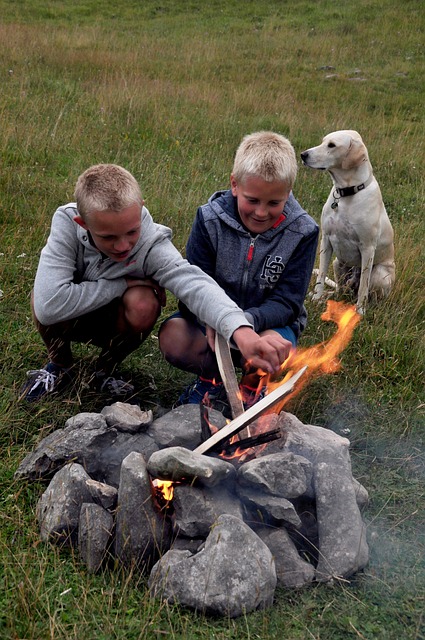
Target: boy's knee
point(141, 307)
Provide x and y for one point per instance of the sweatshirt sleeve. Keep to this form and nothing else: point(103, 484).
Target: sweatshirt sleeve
point(196, 289)
point(58, 295)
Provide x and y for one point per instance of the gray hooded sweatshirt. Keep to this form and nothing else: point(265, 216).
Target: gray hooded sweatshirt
point(74, 277)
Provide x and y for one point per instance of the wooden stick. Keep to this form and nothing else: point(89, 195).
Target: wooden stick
point(228, 375)
point(250, 414)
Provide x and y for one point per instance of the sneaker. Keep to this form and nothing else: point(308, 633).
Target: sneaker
point(113, 387)
point(251, 396)
point(195, 392)
point(44, 381)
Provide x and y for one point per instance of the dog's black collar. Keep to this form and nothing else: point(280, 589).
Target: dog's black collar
point(343, 192)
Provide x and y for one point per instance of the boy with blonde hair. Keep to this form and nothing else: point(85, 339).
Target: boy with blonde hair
point(259, 245)
point(101, 279)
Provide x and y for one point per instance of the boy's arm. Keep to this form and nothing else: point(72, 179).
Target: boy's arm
point(57, 297)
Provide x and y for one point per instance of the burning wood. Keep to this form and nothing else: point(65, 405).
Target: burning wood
point(252, 441)
point(239, 423)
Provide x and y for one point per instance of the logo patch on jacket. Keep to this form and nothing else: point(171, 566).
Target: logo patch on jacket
point(272, 270)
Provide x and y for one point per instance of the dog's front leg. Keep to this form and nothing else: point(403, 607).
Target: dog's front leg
point(366, 271)
point(324, 261)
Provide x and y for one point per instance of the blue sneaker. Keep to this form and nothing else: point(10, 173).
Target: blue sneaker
point(195, 392)
point(41, 382)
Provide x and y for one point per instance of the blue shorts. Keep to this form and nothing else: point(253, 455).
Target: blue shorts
point(285, 332)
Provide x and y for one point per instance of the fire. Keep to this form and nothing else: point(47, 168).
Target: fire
point(322, 358)
point(165, 488)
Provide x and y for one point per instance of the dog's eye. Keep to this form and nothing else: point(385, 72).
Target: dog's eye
point(331, 145)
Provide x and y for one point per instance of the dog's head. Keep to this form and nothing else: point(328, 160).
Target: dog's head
point(339, 150)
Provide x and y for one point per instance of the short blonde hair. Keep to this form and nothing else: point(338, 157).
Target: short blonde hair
point(266, 155)
point(106, 187)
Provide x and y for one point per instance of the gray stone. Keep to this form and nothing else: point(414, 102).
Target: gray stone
point(181, 427)
point(102, 494)
point(231, 576)
point(181, 543)
point(267, 508)
point(141, 531)
point(303, 439)
point(178, 463)
point(309, 441)
point(342, 533)
point(58, 509)
point(196, 508)
point(83, 436)
point(280, 474)
point(291, 570)
point(94, 535)
point(361, 493)
point(110, 458)
point(127, 417)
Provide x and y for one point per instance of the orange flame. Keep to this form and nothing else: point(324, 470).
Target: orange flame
point(322, 358)
point(166, 488)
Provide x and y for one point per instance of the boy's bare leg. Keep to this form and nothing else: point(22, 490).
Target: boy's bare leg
point(54, 337)
point(185, 346)
point(137, 315)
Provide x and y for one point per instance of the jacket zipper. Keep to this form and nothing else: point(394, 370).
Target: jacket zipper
point(249, 258)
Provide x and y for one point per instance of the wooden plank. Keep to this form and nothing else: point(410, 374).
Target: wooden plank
point(228, 375)
point(239, 423)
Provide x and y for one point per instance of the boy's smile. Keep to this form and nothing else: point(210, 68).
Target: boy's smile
point(114, 232)
point(260, 203)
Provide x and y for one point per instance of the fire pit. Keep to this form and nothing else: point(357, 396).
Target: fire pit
point(285, 512)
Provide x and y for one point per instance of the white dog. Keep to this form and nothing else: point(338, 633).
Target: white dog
point(354, 225)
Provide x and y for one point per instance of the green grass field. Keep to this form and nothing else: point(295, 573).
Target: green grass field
point(168, 89)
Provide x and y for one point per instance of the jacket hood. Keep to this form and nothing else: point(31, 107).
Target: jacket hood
point(225, 206)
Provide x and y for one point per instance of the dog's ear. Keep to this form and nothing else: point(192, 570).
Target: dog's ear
point(357, 153)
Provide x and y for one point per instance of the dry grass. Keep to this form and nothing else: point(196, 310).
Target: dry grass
point(168, 90)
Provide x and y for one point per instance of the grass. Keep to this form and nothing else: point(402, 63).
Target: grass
point(168, 89)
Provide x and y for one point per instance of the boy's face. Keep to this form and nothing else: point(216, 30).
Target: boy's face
point(114, 233)
point(260, 203)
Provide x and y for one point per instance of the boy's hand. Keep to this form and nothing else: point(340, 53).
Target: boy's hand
point(262, 352)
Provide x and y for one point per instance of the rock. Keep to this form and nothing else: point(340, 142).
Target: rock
point(79, 441)
point(231, 576)
point(196, 509)
point(342, 532)
point(127, 417)
point(291, 570)
point(58, 509)
point(110, 458)
point(178, 463)
point(102, 494)
point(141, 532)
point(94, 535)
point(267, 508)
point(181, 427)
point(281, 474)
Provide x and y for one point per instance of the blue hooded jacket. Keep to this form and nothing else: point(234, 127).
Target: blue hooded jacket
point(267, 274)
